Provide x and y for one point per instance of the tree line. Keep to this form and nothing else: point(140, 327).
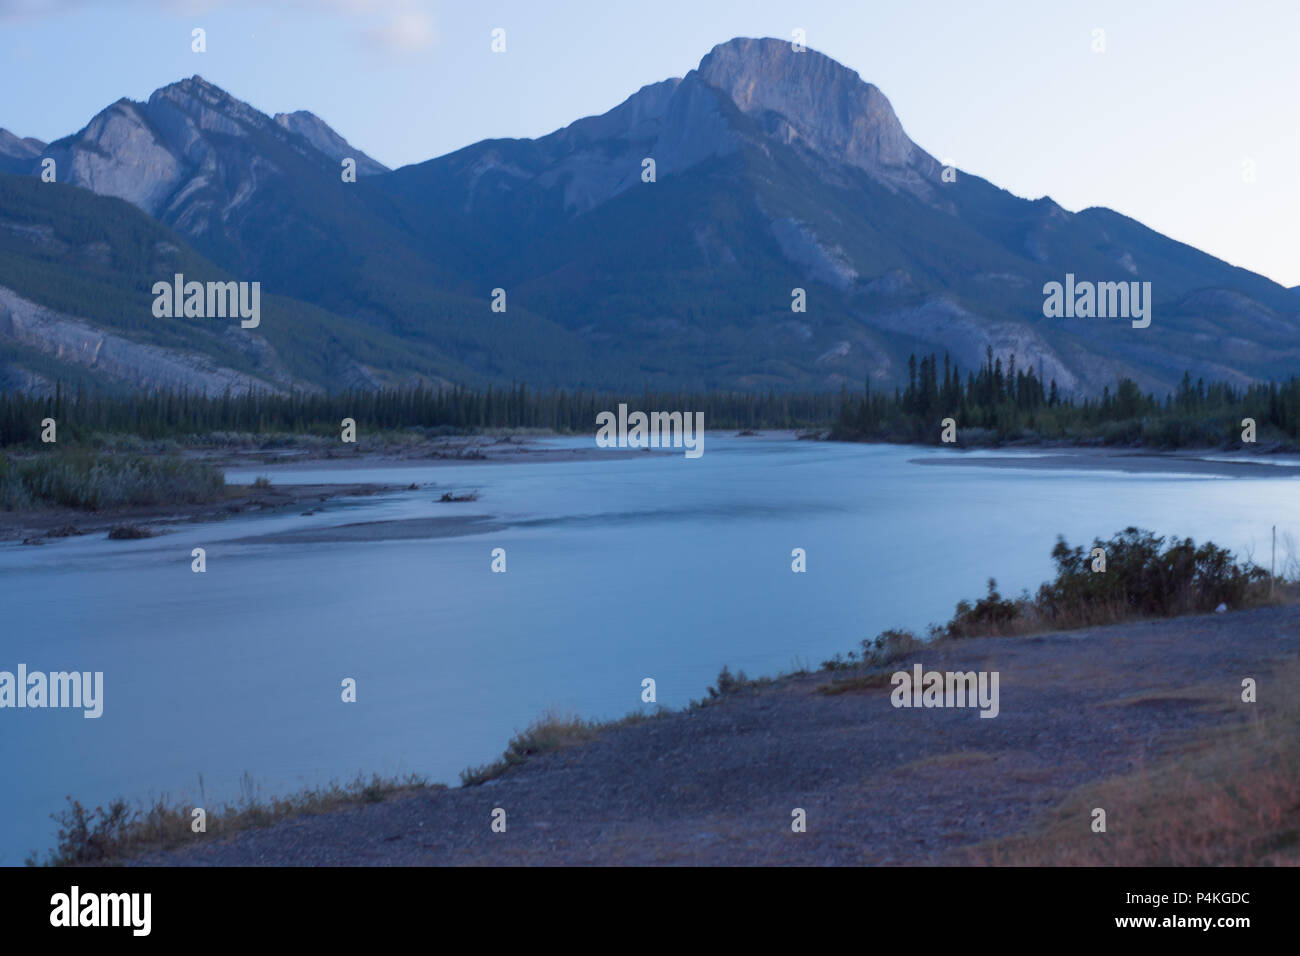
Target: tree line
point(992, 404)
point(176, 414)
point(996, 403)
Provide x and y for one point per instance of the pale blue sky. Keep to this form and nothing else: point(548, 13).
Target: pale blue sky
point(1157, 127)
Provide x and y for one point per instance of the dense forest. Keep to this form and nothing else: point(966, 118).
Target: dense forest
point(992, 404)
point(995, 404)
point(167, 414)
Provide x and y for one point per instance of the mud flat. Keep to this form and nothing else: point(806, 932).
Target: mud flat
point(40, 526)
point(49, 524)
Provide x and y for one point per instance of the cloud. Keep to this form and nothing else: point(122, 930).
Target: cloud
point(387, 26)
point(36, 9)
point(407, 32)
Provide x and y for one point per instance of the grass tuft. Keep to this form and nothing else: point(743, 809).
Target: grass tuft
point(551, 732)
point(108, 835)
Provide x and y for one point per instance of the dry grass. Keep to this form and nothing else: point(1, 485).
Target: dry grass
point(1229, 798)
point(105, 836)
point(550, 732)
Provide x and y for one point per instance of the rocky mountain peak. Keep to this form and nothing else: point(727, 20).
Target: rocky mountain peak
point(207, 106)
point(807, 98)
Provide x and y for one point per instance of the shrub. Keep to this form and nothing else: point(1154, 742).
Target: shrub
point(1143, 577)
point(990, 615)
point(90, 481)
point(727, 683)
point(889, 646)
point(87, 836)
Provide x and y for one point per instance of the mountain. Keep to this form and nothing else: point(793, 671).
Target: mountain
point(774, 170)
point(261, 201)
point(17, 154)
point(244, 187)
point(778, 170)
point(76, 304)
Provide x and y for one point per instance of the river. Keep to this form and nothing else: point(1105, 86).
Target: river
point(654, 566)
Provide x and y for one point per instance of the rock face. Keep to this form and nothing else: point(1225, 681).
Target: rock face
point(201, 161)
point(114, 357)
point(119, 153)
point(807, 99)
point(322, 138)
point(188, 138)
point(774, 170)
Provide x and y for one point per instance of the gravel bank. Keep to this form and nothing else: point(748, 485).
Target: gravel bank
point(880, 785)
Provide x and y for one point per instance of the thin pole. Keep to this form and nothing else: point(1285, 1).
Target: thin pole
point(1272, 562)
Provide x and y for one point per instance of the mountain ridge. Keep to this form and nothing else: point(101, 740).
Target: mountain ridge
point(774, 169)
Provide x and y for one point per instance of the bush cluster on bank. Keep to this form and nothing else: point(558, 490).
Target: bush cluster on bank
point(90, 481)
point(1145, 576)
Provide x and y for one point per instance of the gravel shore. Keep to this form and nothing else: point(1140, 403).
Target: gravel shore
point(879, 784)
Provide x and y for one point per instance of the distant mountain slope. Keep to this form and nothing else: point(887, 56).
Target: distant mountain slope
point(76, 302)
point(774, 170)
point(265, 204)
point(19, 155)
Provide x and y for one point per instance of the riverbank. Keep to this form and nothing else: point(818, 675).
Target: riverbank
point(46, 525)
point(1080, 713)
point(41, 525)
